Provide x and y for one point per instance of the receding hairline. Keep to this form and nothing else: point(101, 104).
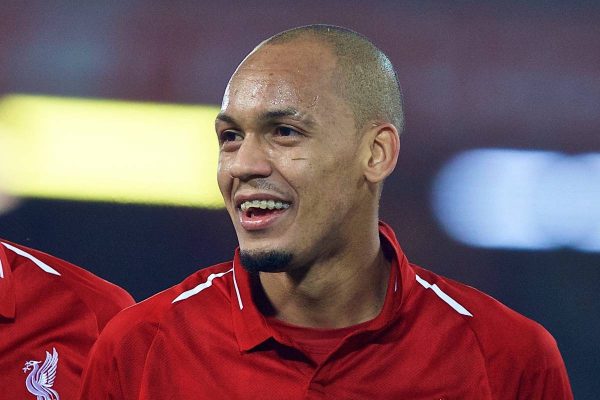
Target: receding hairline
point(366, 77)
point(318, 30)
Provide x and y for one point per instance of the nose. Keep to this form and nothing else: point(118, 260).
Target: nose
point(250, 160)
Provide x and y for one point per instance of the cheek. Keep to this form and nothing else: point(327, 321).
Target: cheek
point(223, 177)
point(319, 179)
point(294, 165)
point(334, 181)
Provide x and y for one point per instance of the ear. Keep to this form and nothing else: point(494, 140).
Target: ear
point(383, 142)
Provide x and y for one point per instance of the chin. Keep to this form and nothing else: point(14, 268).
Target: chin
point(266, 260)
point(258, 242)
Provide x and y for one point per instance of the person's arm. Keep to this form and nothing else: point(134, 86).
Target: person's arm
point(116, 362)
point(101, 378)
point(546, 378)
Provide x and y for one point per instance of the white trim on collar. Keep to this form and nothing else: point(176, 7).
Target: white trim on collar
point(45, 267)
point(237, 290)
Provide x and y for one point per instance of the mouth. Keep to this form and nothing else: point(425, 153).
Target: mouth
point(261, 213)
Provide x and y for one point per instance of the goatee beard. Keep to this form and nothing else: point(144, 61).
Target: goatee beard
point(265, 261)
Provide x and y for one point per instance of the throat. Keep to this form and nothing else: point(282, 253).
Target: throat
point(335, 300)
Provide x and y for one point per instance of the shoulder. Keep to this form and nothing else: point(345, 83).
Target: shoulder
point(520, 358)
point(141, 321)
point(128, 338)
point(502, 333)
point(102, 298)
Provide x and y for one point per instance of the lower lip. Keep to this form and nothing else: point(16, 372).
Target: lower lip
point(258, 222)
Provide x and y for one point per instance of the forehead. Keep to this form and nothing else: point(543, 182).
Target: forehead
point(298, 74)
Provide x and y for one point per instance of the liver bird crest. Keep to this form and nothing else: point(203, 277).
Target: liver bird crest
point(40, 380)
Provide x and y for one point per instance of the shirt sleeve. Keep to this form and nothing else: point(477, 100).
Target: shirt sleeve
point(547, 377)
point(101, 378)
point(116, 362)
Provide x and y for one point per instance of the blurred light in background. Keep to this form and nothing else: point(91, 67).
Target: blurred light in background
point(502, 198)
point(103, 150)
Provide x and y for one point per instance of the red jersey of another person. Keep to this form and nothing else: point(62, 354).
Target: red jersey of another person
point(51, 313)
point(433, 339)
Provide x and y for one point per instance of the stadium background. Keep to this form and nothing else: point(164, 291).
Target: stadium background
point(494, 75)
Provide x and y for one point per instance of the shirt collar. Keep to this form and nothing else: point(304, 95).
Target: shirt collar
point(249, 324)
point(7, 287)
point(252, 329)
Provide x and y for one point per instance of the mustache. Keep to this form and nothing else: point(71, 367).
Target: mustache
point(264, 184)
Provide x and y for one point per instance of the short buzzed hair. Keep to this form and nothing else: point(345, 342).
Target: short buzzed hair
point(367, 79)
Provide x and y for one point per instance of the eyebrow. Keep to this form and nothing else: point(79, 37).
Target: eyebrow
point(272, 115)
point(224, 118)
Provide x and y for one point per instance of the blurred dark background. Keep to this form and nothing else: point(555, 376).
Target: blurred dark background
point(503, 74)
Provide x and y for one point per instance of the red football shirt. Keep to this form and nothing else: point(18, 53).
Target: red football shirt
point(51, 313)
point(434, 339)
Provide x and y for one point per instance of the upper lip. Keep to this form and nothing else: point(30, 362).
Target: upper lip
point(241, 198)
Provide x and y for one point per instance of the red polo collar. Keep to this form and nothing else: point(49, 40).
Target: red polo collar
point(252, 329)
point(7, 286)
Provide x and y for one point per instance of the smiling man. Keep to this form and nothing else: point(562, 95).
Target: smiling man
point(300, 171)
point(319, 301)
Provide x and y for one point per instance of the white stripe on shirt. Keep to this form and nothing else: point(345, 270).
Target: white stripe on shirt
point(200, 287)
point(45, 267)
point(449, 300)
point(237, 290)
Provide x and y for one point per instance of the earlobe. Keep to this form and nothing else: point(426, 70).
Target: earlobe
point(384, 145)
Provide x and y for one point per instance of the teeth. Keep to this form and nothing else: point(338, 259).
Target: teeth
point(264, 204)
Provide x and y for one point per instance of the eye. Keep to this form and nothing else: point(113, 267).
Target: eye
point(286, 131)
point(230, 140)
point(229, 136)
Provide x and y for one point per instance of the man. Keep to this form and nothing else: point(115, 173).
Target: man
point(319, 300)
point(51, 313)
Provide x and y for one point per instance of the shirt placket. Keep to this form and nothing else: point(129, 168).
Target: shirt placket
point(317, 385)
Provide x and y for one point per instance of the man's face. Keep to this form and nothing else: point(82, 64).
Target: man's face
point(288, 164)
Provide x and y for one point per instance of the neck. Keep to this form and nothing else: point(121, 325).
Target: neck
point(342, 291)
